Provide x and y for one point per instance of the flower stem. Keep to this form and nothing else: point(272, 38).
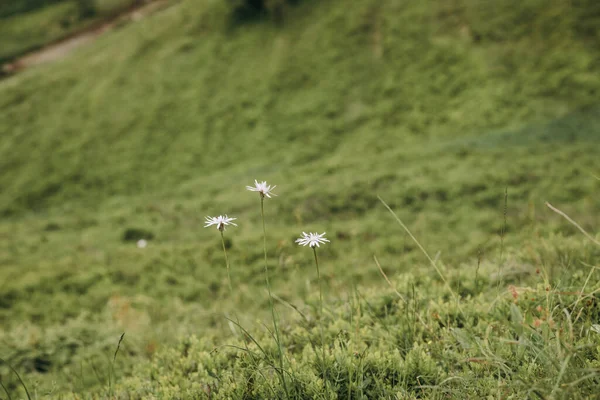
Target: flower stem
point(321, 317)
point(227, 263)
point(277, 338)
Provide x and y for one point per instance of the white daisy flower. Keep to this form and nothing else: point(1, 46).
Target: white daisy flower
point(262, 188)
point(312, 239)
point(221, 221)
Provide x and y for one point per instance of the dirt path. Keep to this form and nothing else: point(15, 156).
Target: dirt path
point(62, 48)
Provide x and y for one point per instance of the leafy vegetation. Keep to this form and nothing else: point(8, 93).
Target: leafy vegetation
point(464, 120)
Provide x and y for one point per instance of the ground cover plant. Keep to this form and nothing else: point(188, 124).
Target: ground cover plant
point(465, 121)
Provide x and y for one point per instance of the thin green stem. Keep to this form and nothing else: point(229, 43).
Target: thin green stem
point(351, 347)
point(2, 361)
point(502, 233)
point(277, 338)
point(227, 263)
point(431, 260)
point(321, 316)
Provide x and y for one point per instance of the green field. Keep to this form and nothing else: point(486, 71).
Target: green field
point(37, 23)
point(465, 117)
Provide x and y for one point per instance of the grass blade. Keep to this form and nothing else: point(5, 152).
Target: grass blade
point(5, 390)
point(18, 376)
point(565, 216)
point(432, 262)
point(112, 364)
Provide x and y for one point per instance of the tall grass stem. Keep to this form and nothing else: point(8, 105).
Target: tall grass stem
point(431, 261)
point(321, 317)
point(502, 233)
point(18, 377)
point(575, 224)
point(272, 306)
point(227, 263)
point(111, 372)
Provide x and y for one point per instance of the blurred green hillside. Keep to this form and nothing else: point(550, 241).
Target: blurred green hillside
point(438, 107)
point(27, 25)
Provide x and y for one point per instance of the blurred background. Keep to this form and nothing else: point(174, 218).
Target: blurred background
point(123, 120)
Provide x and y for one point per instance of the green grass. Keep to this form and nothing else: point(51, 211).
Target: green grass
point(24, 32)
point(438, 110)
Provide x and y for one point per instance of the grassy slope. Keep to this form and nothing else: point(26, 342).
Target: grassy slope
point(24, 32)
point(167, 120)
